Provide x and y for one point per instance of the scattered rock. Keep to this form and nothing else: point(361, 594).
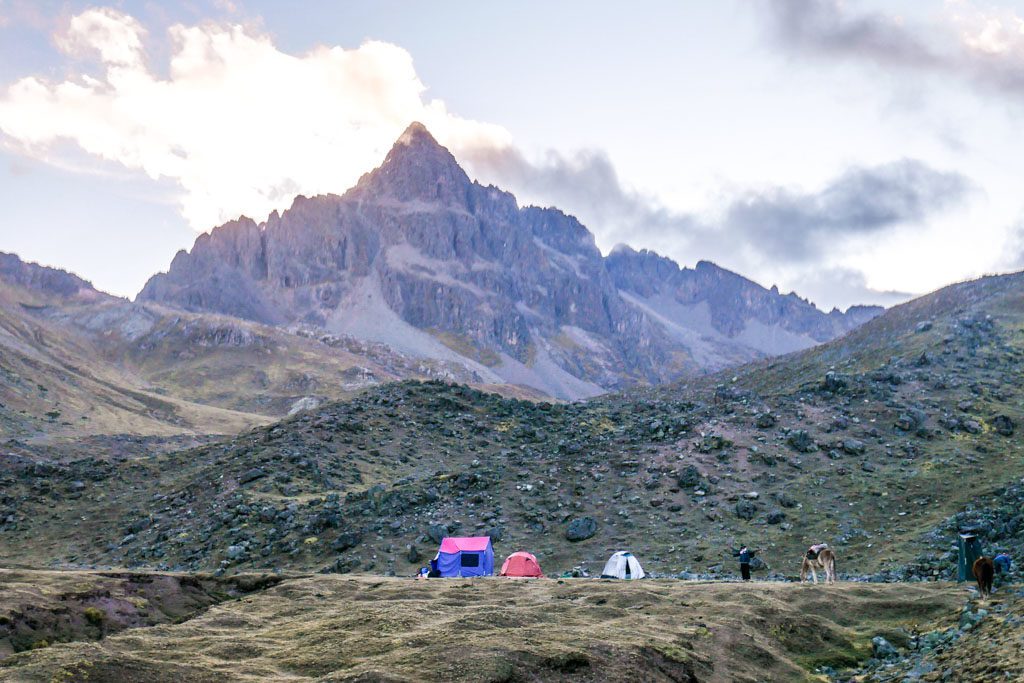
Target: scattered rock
point(581, 529)
point(437, 532)
point(775, 517)
point(746, 509)
point(800, 441)
point(854, 446)
point(251, 475)
point(883, 649)
point(689, 478)
point(346, 540)
point(1003, 425)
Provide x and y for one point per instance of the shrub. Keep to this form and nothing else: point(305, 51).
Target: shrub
point(94, 615)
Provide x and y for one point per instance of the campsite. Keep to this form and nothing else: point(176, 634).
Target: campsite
point(523, 342)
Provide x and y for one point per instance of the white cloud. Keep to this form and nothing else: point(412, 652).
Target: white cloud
point(981, 46)
point(117, 37)
point(239, 125)
point(994, 33)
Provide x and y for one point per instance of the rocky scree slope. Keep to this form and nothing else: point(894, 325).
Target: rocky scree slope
point(870, 442)
point(419, 257)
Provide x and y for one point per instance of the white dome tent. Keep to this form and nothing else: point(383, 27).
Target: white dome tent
point(623, 565)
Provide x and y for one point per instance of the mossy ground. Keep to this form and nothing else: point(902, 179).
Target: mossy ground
point(335, 628)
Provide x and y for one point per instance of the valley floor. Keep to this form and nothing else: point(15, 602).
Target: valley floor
point(349, 628)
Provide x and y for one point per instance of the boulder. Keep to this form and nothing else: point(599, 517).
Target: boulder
point(346, 540)
point(689, 478)
point(854, 446)
point(799, 440)
point(883, 649)
point(746, 509)
point(1003, 425)
point(580, 529)
point(835, 382)
point(785, 500)
point(437, 532)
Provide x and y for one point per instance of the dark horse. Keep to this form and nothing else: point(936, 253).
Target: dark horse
point(984, 569)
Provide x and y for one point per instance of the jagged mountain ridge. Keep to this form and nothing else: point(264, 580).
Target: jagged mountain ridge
point(421, 258)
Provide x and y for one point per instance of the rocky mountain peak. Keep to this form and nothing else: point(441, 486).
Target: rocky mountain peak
point(419, 257)
point(418, 168)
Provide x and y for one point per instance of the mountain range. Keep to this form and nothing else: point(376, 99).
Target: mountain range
point(415, 273)
point(422, 259)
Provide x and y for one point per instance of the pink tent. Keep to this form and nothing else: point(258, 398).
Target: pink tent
point(473, 544)
point(465, 556)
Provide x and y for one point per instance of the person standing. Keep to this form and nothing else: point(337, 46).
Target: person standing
point(745, 555)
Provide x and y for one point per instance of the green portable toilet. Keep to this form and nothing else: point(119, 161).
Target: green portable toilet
point(970, 550)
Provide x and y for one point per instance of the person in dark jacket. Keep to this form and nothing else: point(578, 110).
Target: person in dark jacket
point(745, 555)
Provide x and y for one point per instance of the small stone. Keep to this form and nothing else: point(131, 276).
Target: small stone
point(971, 426)
point(251, 475)
point(775, 517)
point(1003, 425)
point(882, 648)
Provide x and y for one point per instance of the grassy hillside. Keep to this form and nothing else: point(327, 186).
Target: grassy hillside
point(372, 629)
point(75, 368)
point(54, 383)
point(870, 443)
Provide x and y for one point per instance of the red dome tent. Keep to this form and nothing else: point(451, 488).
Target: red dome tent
point(521, 564)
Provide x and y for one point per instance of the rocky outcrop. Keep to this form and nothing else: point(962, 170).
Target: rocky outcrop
point(421, 258)
point(44, 280)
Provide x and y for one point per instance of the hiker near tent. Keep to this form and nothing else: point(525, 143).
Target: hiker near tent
point(1002, 562)
point(745, 555)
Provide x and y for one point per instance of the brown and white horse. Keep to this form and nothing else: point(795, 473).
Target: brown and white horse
point(984, 570)
point(825, 561)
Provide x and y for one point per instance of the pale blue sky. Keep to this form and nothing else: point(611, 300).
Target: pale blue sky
point(780, 138)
